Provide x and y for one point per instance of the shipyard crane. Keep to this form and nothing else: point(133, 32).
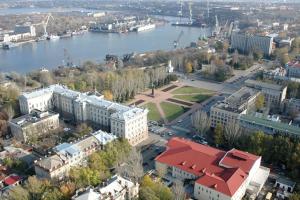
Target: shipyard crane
point(176, 42)
point(180, 12)
point(45, 24)
point(191, 12)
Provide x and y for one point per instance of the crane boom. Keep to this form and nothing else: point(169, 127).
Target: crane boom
point(176, 42)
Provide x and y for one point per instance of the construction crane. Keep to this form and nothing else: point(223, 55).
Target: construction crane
point(176, 42)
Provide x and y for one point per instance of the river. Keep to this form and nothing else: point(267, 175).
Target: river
point(94, 47)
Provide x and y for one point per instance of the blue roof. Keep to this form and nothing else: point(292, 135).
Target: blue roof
point(66, 148)
point(104, 137)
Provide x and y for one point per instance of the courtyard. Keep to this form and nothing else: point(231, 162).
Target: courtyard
point(171, 101)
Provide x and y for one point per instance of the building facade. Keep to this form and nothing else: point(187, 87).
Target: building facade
point(217, 174)
point(293, 69)
point(249, 43)
point(124, 121)
point(69, 155)
point(274, 94)
point(232, 107)
point(33, 125)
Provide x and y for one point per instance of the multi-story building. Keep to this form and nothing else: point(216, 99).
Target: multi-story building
point(217, 174)
point(249, 43)
point(68, 155)
point(116, 188)
point(291, 105)
point(124, 121)
point(21, 32)
point(274, 93)
point(34, 125)
point(269, 125)
point(232, 107)
point(293, 69)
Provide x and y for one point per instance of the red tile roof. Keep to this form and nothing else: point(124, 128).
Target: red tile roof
point(216, 169)
point(12, 179)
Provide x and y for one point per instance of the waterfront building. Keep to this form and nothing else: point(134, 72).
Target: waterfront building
point(123, 121)
point(216, 174)
point(69, 155)
point(116, 188)
point(21, 32)
point(35, 124)
point(274, 93)
point(249, 43)
point(229, 110)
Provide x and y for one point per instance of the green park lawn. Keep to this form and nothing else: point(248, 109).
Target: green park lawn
point(172, 111)
point(193, 98)
point(190, 90)
point(153, 114)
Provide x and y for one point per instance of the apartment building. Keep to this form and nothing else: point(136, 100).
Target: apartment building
point(217, 174)
point(35, 124)
point(116, 188)
point(248, 43)
point(232, 107)
point(124, 121)
point(69, 155)
point(274, 94)
point(293, 69)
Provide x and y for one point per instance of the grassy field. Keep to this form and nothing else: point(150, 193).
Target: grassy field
point(153, 114)
point(193, 98)
point(191, 90)
point(172, 111)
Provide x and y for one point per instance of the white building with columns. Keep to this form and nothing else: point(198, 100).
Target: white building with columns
point(123, 121)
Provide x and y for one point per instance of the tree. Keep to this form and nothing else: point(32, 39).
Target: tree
point(157, 188)
point(259, 103)
point(232, 133)
point(218, 135)
point(178, 190)
point(188, 67)
point(83, 129)
point(68, 189)
point(294, 196)
point(52, 194)
point(36, 187)
point(132, 168)
point(45, 78)
point(201, 121)
point(108, 95)
point(145, 193)
point(18, 192)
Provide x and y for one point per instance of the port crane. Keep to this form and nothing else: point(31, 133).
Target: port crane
point(45, 24)
point(176, 42)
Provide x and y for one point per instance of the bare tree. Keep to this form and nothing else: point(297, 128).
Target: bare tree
point(232, 132)
point(132, 167)
point(161, 169)
point(178, 190)
point(201, 121)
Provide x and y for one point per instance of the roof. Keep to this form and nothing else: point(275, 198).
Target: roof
point(104, 137)
point(88, 195)
point(12, 179)
point(278, 126)
point(286, 181)
point(115, 185)
point(222, 171)
point(67, 149)
point(261, 85)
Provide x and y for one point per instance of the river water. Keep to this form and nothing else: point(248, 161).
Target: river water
point(94, 47)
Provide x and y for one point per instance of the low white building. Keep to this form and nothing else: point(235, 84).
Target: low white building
point(123, 121)
point(35, 124)
point(117, 188)
point(217, 174)
point(285, 187)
